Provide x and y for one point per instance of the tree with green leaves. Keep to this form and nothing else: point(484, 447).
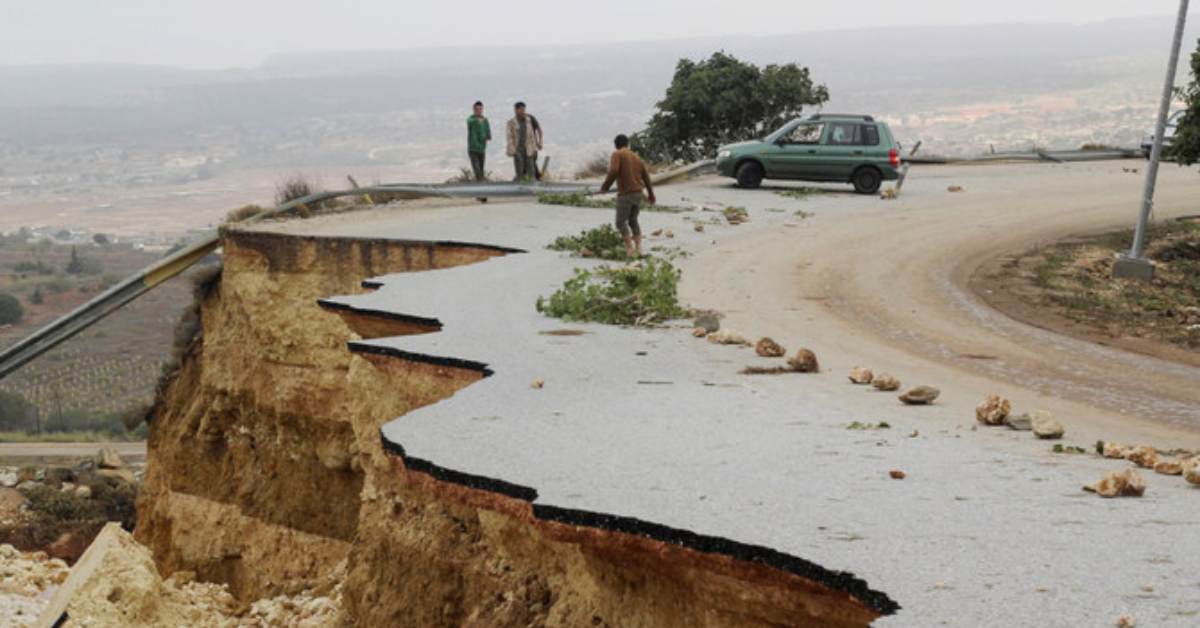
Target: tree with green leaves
point(722, 100)
point(11, 310)
point(1185, 147)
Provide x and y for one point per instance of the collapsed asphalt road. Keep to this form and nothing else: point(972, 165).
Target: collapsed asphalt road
point(987, 527)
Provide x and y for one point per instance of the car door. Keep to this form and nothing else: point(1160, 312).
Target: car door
point(792, 155)
point(841, 152)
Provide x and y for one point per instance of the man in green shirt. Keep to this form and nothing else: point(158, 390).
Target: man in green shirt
point(479, 133)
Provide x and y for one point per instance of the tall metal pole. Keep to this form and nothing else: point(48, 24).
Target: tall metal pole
point(1135, 266)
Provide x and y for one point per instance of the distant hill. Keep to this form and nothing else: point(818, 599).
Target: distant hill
point(348, 108)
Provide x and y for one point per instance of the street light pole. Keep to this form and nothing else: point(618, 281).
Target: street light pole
point(1135, 265)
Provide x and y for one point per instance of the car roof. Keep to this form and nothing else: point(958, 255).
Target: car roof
point(842, 116)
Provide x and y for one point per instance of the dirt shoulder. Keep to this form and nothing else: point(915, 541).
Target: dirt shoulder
point(1066, 287)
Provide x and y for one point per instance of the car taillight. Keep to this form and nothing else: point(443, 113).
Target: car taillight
point(894, 158)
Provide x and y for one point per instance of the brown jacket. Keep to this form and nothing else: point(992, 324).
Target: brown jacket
point(533, 139)
point(628, 170)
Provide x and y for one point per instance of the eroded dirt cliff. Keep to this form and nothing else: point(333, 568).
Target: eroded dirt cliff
point(267, 471)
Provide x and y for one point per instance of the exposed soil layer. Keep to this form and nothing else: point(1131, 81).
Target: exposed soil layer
point(262, 427)
point(1068, 287)
point(266, 471)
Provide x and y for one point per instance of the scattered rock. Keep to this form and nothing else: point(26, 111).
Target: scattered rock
point(656, 232)
point(1169, 467)
point(699, 332)
point(897, 474)
point(27, 485)
point(1143, 456)
point(8, 478)
point(538, 383)
point(993, 410)
point(586, 252)
point(727, 337)
point(955, 188)
point(83, 491)
point(708, 320)
point(1022, 422)
point(699, 227)
point(805, 361)
point(1126, 483)
point(886, 382)
point(1126, 621)
point(669, 234)
point(1113, 450)
point(1191, 471)
point(888, 194)
point(107, 458)
point(860, 375)
point(920, 396)
point(1046, 426)
point(768, 348)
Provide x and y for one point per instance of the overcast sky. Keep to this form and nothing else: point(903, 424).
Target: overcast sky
point(241, 33)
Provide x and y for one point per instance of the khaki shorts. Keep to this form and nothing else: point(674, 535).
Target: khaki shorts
point(628, 206)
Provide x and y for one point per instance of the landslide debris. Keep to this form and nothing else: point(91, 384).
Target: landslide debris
point(993, 410)
point(920, 396)
point(26, 580)
point(805, 361)
point(116, 583)
point(768, 348)
point(1045, 426)
point(862, 376)
point(886, 382)
point(1126, 483)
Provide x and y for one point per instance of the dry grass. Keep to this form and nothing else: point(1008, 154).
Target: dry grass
point(1075, 279)
point(594, 168)
point(243, 213)
point(293, 188)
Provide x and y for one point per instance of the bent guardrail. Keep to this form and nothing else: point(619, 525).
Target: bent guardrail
point(145, 280)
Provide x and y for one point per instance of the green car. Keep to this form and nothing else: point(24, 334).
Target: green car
point(825, 147)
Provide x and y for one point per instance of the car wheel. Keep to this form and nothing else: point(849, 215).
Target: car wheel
point(749, 175)
point(866, 180)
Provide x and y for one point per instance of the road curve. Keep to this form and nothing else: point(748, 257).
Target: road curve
point(886, 284)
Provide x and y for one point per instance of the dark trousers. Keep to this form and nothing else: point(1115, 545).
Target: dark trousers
point(477, 160)
point(525, 166)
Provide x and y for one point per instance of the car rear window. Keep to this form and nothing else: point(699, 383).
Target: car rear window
point(870, 135)
point(852, 134)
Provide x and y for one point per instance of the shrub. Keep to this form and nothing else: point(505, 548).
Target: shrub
point(242, 213)
point(11, 310)
point(291, 189)
point(603, 242)
point(640, 294)
point(594, 168)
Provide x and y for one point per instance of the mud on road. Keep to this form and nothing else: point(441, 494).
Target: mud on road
point(891, 281)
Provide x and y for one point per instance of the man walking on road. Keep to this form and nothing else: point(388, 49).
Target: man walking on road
point(479, 133)
point(630, 174)
point(524, 142)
